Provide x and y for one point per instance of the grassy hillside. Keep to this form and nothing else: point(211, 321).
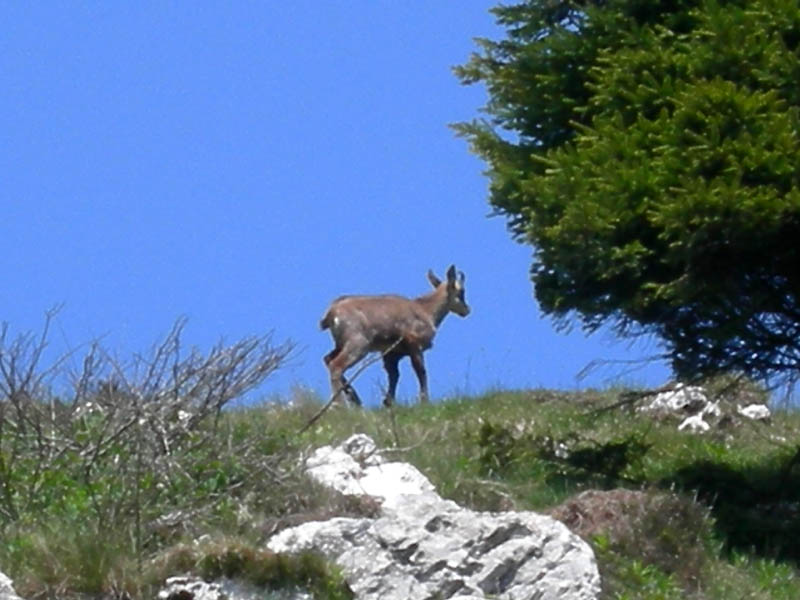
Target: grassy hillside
point(680, 516)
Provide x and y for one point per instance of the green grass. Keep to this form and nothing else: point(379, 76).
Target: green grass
point(720, 513)
point(535, 449)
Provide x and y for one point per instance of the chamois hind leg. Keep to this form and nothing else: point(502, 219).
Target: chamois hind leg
point(331, 355)
point(338, 362)
point(390, 364)
point(347, 390)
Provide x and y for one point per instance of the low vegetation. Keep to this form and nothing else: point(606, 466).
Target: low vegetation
point(146, 471)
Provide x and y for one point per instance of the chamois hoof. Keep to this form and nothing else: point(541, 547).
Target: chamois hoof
point(352, 397)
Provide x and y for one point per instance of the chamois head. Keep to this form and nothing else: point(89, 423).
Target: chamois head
point(455, 290)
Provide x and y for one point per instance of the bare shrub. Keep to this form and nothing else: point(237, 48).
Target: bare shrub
point(132, 449)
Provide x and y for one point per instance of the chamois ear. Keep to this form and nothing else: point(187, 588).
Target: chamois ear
point(451, 274)
point(435, 281)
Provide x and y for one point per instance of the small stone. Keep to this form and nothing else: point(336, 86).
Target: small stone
point(757, 412)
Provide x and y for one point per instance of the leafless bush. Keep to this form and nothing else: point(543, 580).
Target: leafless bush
point(125, 436)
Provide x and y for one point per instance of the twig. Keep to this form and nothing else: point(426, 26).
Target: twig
point(423, 440)
point(347, 383)
point(633, 365)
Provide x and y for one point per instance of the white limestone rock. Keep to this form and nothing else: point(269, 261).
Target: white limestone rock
point(422, 546)
point(694, 424)
point(355, 468)
point(757, 412)
point(689, 398)
point(7, 588)
point(697, 413)
point(180, 588)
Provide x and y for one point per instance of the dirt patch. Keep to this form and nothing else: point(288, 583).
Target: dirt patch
point(664, 529)
point(596, 512)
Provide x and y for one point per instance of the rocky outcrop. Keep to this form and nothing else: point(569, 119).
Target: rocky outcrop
point(697, 412)
point(7, 589)
point(422, 546)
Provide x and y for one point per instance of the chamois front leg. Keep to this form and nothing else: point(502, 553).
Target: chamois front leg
point(419, 368)
point(390, 364)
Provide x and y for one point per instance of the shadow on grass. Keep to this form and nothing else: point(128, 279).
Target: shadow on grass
point(756, 507)
point(595, 466)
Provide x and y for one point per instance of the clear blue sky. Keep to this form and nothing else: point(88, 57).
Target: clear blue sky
point(243, 163)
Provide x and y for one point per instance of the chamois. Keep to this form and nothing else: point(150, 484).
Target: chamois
point(393, 325)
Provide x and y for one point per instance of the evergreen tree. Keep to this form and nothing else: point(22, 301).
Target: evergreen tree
point(650, 153)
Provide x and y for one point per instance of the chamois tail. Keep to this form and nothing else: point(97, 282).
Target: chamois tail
point(326, 321)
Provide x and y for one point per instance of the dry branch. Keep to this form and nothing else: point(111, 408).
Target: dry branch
point(347, 384)
point(117, 416)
